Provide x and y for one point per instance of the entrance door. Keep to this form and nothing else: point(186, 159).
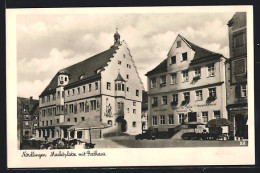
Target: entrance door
point(240, 125)
point(192, 116)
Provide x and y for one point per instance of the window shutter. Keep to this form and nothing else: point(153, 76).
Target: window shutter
point(238, 91)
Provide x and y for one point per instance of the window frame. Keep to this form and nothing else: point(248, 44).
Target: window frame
point(162, 120)
point(154, 121)
point(170, 119)
point(185, 76)
point(199, 95)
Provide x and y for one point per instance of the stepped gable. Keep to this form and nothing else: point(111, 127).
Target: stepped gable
point(86, 68)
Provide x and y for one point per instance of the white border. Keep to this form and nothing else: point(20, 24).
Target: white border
point(127, 157)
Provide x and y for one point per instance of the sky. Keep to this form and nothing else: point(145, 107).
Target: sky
point(47, 43)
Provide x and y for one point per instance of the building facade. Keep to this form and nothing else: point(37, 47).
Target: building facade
point(187, 86)
point(27, 118)
point(105, 88)
point(236, 76)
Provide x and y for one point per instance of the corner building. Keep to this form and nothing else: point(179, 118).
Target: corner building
point(236, 76)
point(187, 86)
point(105, 87)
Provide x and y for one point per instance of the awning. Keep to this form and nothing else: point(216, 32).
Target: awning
point(218, 122)
point(89, 124)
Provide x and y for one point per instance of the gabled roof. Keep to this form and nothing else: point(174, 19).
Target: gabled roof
point(85, 69)
point(201, 54)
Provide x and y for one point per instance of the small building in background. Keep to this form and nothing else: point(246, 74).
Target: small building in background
point(27, 118)
point(236, 76)
point(144, 117)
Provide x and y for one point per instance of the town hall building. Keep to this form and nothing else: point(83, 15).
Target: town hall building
point(103, 88)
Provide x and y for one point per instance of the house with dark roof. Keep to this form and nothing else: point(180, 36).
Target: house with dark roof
point(27, 117)
point(236, 76)
point(188, 86)
point(105, 87)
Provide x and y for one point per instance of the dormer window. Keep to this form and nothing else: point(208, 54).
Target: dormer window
point(81, 77)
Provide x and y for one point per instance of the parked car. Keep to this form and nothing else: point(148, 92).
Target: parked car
point(145, 135)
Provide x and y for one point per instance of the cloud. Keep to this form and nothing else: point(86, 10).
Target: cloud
point(31, 88)
point(49, 42)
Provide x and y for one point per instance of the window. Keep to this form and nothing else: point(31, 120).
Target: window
point(79, 134)
point(128, 110)
point(162, 119)
point(68, 93)
point(238, 66)
point(54, 111)
point(153, 82)
point(164, 100)
point(58, 94)
point(42, 123)
point(212, 92)
point(127, 89)
point(163, 81)
point(185, 76)
point(78, 90)
point(127, 76)
point(134, 124)
point(96, 85)
point(154, 101)
point(75, 120)
point(154, 120)
point(171, 119)
point(174, 78)
point(82, 118)
point(186, 96)
point(181, 118)
point(239, 40)
point(71, 108)
point(109, 122)
point(134, 111)
point(57, 121)
point(81, 107)
point(89, 87)
point(108, 86)
point(216, 114)
point(205, 117)
point(184, 56)
point(84, 89)
point(48, 99)
point(178, 44)
point(62, 94)
point(43, 99)
point(123, 87)
point(119, 62)
point(128, 66)
point(54, 96)
point(175, 98)
point(93, 104)
point(134, 103)
point(46, 123)
point(243, 90)
point(197, 72)
point(68, 119)
point(211, 70)
point(173, 60)
point(119, 87)
point(65, 78)
point(73, 91)
point(137, 93)
point(199, 95)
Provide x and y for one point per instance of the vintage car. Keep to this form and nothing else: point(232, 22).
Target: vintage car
point(145, 135)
